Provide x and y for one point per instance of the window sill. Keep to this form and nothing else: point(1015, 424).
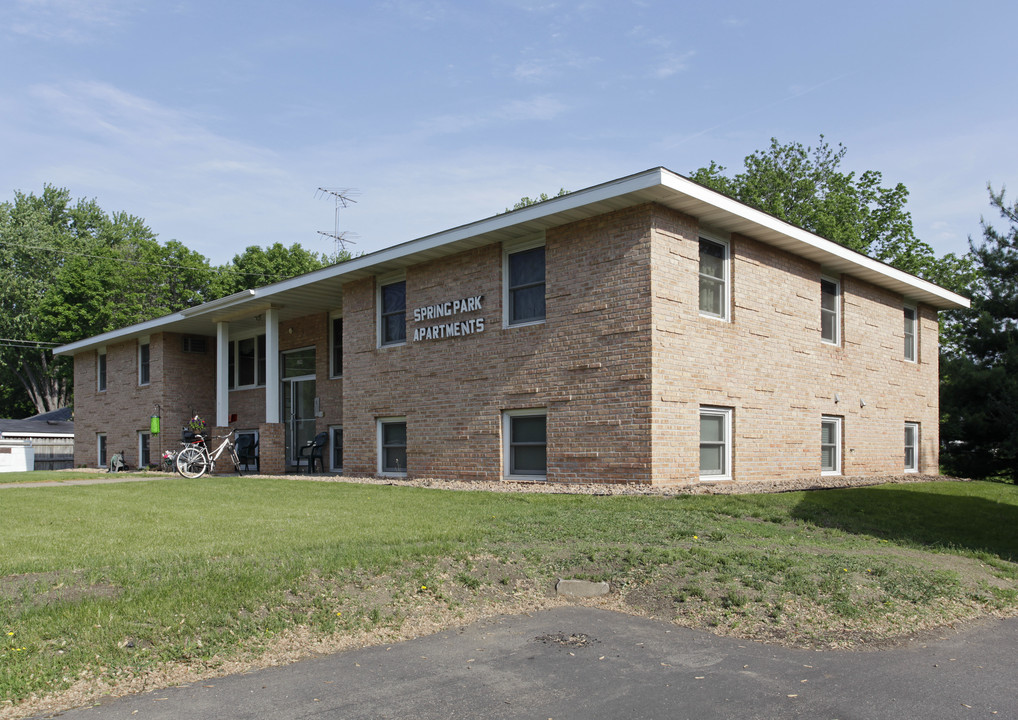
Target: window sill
point(528, 323)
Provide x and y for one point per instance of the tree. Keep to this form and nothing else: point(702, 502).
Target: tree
point(806, 187)
point(528, 201)
point(71, 270)
point(257, 266)
point(979, 388)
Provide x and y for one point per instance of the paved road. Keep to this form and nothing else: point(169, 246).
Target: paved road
point(578, 662)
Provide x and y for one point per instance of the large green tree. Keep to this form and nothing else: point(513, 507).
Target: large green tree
point(807, 187)
point(979, 388)
point(69, 270)
point(258, 266)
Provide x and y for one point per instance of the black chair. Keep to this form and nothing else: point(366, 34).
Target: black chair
point(247, 452)
point(314, 450)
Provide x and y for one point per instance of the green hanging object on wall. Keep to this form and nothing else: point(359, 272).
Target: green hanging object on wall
point(154, 425)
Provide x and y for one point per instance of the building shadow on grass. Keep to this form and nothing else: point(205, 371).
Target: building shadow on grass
point(930, 519)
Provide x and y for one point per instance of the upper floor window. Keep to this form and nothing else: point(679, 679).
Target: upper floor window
point(830, 310)
point(246, 362)
point(337, 348)
point(143, 364)
point(910, 333)
point(524, 283)
point(100, 371)
point(713, 278)
point(392, 313)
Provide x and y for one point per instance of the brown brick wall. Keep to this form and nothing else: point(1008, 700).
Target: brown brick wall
point(769, 364)
point(179, 383)
point(588, 364)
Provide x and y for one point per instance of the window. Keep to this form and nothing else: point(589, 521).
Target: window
point(337, 347)
point(911, 447)
point(101, 449)
point(195, 344)
point(830, 315)
point(100, 372)
point(713, 278)
point(392, 446)
point(715, 443)
point(143, 364)
point(830, 446)
point(525, 434)
point(144, 445)
point(910, 333)
point(392, 314)
point(524, 283)
point(336, 435)
point(246, 362)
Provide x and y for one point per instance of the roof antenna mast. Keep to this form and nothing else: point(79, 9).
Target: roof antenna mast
point(342, 197)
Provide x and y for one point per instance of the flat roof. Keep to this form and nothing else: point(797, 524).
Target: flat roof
point(321, 290)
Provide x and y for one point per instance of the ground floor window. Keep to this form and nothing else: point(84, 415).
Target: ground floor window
point(336, 434)
point(246, 443)
point(911, 447)
point(392, 438)
point(144, 445)
point(526, 442)
point(101, 449)
point(830, 445)
point(715, 443)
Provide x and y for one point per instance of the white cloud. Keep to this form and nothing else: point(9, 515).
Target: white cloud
point(68, 21)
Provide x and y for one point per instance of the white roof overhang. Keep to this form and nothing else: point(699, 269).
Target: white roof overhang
point(321, 290)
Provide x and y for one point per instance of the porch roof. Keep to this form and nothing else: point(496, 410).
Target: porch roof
point(321, 290)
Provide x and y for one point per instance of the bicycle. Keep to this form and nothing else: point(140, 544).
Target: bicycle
point(196, 459)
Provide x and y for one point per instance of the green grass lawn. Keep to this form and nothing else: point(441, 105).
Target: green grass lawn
point(111, 581)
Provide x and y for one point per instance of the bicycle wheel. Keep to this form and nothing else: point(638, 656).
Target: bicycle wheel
point(192, 462)
point(236, 460)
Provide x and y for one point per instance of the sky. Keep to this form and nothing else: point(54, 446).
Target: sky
point(218, 121)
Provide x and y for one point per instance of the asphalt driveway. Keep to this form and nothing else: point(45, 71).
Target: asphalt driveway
point(578, 662)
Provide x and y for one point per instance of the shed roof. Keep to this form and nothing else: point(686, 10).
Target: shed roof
point(321, 290)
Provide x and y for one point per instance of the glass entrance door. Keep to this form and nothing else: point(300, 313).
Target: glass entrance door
point(298, 397)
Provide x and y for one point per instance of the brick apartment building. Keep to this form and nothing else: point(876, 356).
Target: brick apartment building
point(647, 330)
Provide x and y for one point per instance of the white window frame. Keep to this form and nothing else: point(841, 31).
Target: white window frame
point(836, 340)
point(332, 449)
point(380, 423)
point(838, 454)
point(332, 347)
point(914, 427)
point(911, 340)
point(102, 450)
point(101, 370)
point(145, 343)
point(726, 294)
point(511, 249)
point(235, 346)
point(508, 445)
point(726, 414)
point(142, 434)
point(381, 283)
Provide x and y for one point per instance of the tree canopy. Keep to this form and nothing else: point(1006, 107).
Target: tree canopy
point(807, 187)
point(70, 270)
point(979, 389)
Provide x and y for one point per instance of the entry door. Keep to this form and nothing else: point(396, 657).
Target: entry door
point(298, 396)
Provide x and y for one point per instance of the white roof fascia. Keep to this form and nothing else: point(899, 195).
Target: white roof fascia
point(723, 202)
point(657, 177)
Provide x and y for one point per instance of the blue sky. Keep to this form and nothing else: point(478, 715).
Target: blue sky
point(218, 121)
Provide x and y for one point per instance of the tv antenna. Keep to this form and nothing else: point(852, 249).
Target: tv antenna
point(342, 198)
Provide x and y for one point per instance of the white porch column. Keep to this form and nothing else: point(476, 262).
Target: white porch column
point(222, 374)
point(272, 366)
